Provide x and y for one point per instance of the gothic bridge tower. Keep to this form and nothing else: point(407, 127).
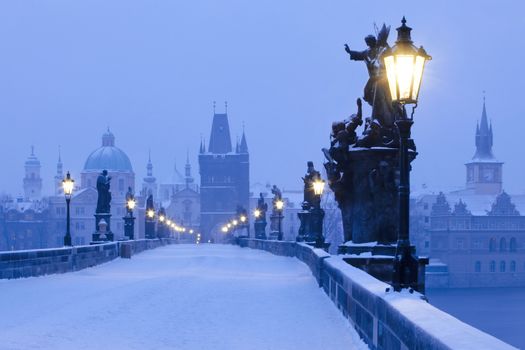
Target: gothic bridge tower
point(224, 176)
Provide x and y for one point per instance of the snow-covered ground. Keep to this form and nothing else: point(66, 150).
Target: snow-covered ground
point(176, 297)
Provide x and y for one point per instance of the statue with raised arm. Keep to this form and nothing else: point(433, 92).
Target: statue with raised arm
point(376, 91)
point(104, 195)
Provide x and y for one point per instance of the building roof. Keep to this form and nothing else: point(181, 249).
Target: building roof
point(220, 140)
point(108, 157)
point(474, 203)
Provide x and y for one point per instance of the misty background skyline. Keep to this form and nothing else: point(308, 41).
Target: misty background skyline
point(150, 71)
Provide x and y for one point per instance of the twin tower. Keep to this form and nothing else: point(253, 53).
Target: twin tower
point(225, 178)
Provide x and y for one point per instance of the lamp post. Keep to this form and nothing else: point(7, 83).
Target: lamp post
point(129, 219)
point(279, 206)
point(150, 223)
point(67, 184)
point(404, 64)
point(317, 213)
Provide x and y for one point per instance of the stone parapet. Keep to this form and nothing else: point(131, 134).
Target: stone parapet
point(39, 262)
point(386, 320)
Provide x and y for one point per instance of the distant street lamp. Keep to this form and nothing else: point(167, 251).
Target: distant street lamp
point(279, 206)
point(149, 228)
point(404, 65)
point(129, 219)
point(317, 213)
point(68, 184)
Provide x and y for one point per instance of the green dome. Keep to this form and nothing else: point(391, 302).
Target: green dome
point(108, 157)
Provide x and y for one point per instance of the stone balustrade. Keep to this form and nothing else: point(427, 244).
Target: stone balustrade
point(386, 320)
point(38, 262)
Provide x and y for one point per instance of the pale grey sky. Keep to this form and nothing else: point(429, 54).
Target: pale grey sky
point(150, 70)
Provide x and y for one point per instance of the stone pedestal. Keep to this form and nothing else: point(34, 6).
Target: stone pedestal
point(150, 229)
point(304, 228)
point(367, 194)
point(129, 227)
point(260, 229)
point(275, 222)
point(105, 234)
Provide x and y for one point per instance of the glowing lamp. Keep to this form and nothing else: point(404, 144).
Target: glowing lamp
point(67, 184)
point(318, 186)
point(404, 64)
point(257, 213)
point(131, 204)
point(279, 205)
point(150, 213)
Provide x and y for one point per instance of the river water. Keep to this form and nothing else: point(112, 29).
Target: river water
point(497, 311)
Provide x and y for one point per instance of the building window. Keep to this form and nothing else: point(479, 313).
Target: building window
point(477, 266)
point(460, 243)
point(492, 245)
point(425, 206)
point(427, 219)
point(121, 185)
point(502, 244)
point(427, 244)
point(512, 266)
point(492, 266)
point(513, 244)
point(502, 266)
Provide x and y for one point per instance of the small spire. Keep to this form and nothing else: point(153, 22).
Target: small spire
point(32, 150)
point(149, 155)
point(214, 107)
point(187, 156)
point(59, 154)
point(226, 107)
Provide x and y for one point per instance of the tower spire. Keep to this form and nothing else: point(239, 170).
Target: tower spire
point(483, 136)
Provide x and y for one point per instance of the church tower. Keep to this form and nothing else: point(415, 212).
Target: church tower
point(224, 177)
point(484, 171)
point(149, 185)
point(32, 179)
point(59, 176)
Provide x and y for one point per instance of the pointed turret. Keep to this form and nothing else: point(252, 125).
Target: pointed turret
point(244, 145)
point(59, 176)
point(149, 185)
point(187, 171)
point(220, 141)
point(483, 137)
point(149, 167)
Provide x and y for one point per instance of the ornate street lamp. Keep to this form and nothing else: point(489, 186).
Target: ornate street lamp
point(404, 64)
point(68, 184)
point(129, 220)
point(317, 213)
point(279, 206)
point(257, 213)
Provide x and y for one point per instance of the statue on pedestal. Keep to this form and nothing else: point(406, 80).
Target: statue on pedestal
point(104, 195)
point(362, 170)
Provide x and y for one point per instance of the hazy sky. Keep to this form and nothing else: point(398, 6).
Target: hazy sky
point(150, 70)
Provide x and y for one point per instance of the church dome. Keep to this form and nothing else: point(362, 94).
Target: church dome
point(108, 157)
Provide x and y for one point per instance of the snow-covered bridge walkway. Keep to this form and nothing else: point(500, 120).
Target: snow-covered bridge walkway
point(175, 297)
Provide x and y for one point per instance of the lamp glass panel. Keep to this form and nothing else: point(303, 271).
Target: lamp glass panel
point(418, 74)
point(391, 76)
point(404, 69)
